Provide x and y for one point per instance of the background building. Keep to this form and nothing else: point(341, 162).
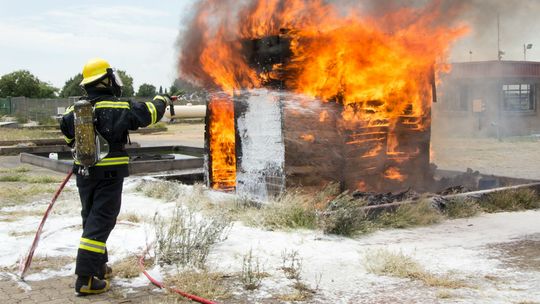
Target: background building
point(489, 98)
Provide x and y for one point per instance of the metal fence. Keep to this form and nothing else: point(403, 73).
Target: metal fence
point(5, 106)
point(39, 109)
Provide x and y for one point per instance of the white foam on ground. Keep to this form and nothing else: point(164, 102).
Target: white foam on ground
point(336, 264)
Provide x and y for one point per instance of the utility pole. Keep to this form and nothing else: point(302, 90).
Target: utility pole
point(499, 53)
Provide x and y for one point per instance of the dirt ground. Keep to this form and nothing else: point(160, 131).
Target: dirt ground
point(513, 157)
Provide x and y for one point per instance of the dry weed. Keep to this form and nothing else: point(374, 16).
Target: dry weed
point(384, 262)
point(187, 237)
point(209, 285)
point(32, 179)
point(130, 217)
point(19, 169)
point(129, 267)
point(291, 264)
point(14, 233)
point(23, 134)
point(165, 190)
point(252, 274)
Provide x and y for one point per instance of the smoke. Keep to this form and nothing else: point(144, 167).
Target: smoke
point(518, 25)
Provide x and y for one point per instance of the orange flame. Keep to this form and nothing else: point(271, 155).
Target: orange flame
point(222, 143)
point(323, 116)
point(308, 137)
point(393, 173)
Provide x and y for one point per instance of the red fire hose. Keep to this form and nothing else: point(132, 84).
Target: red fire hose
point(161, 285)
point(25, 264)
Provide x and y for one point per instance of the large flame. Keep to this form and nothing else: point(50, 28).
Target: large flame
point(381, 68)
point(222, 148)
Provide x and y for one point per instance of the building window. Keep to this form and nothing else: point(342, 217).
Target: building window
point(519, 97)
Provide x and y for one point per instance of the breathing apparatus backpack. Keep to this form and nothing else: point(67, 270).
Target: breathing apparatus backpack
point(90, 146)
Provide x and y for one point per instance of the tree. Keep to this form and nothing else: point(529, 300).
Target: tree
point(46, 90)
point(72, 87)
point(127, 89)
point(23, 83)
point(146, 90)
point(160, 90)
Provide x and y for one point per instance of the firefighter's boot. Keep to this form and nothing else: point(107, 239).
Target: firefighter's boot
point(105, 273)
point(88, 285)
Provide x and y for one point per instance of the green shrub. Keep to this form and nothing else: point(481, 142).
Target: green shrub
point(461, 208)
point(409, 215)
point(510, 200)
point(345, 216)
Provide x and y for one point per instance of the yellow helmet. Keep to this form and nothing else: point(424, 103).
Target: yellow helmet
point(94, 69)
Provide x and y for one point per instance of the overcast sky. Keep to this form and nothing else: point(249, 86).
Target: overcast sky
point(54, 38)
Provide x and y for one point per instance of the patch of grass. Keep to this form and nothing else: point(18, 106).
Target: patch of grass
point(19, 169)
point(164, 190)
point(15, 233)
point(209, 285)
point(47, 121)
point(291, 211)
point(17, 193)
point(24, 134)
point(187, 237)
point(295, 209)
point(129, 267)
point(130, 217)
point(409, 215)
point(15, 215)
point(33, 179)
point(444, 294)
point(384, 262)
point(295, 296)
point(510, 200)
point(461, 208)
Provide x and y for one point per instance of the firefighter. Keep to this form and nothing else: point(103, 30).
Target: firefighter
point(100, 185)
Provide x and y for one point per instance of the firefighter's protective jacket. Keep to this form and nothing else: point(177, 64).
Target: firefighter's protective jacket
point(113, 118)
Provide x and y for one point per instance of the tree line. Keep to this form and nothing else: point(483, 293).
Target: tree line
point(24, 83)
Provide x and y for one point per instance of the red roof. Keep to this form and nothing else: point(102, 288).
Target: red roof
point(495, 69)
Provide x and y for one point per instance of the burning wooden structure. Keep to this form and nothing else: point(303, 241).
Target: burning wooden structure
point(311, 96)
point(285, 140)
point(273, 139)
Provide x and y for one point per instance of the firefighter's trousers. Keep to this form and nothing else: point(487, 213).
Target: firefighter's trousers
point(101, 200)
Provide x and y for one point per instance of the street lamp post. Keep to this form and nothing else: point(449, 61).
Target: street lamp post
point(525, 48)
